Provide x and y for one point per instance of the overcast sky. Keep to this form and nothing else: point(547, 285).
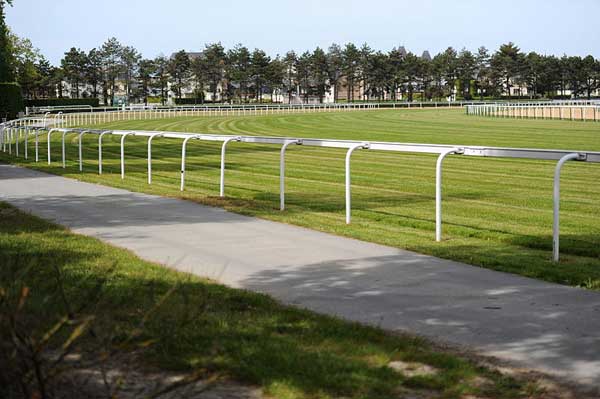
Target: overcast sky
point(276, 26)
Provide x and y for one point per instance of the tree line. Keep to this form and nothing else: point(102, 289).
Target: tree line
point(243, 75)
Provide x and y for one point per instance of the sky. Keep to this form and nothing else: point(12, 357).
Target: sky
point(163, 26)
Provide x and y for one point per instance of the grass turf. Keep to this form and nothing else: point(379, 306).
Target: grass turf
point(290, 353)
point(497, 212)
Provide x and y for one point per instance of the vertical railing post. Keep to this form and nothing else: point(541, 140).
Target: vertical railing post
point(183, 146)
point(150, 155)
point(125, 134)
point(556, 203)
point(64, 164)
point(48, 139)
point(223, 148)
point(37, 144)
point(26, 131)
point(80, 150)
point(100, 150)
point(348, 188)
point(438, 191)
point(282, 172)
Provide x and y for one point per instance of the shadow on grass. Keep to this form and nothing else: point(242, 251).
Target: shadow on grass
point(587, 245)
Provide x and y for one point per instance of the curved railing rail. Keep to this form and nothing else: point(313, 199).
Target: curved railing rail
point(12, 133)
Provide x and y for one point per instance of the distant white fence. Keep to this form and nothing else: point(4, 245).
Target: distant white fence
point(580, 111)
point(71, 116)
point(95, 116)
point(15, 132)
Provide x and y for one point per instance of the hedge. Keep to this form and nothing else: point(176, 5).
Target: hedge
point(11, 100)
point(191, 101)
point(45, 102)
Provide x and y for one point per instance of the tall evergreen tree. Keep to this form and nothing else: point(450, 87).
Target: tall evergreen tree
point(238, 70)
point(259, 70)
point(213, 65)
point(112, 65)
point(7, 71)
point(130, 59)
point(179, 71)
point(74, 65)
point(351, 58)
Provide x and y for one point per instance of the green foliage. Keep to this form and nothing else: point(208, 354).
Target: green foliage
point(44, 102)
point(11, 100)
point(7, 68)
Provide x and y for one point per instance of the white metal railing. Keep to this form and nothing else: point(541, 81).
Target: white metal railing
point(568, 110)
point(12, 132)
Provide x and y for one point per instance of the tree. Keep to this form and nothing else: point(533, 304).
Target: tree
point(448, 64)
point(335, 62)
point(507, 65)
point(111, 52)
point(483, 79)
point(93, 70)
point(303, 74)
point(162, 64)
point(74, 66)
point(425, 75)
point(549, 81)
point(590, 74)
point(44, 85)
point(130, 59)
point(7, 72)
point(238, 70)
point(197, 71)
point(411, 69)
point(396, 60)
point(213, 64)
point(320, 73)
point(146, 71)
point(466, 65)
point(259, 70)
point(351, 59)
point(26, 60)
point(290, 79)
point(364, 65)
point(57, 78)
point(275, 75)
point(179, 71)
point(381, 75)
point(532, 73)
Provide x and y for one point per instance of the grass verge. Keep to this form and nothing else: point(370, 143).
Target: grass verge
point(181, 322)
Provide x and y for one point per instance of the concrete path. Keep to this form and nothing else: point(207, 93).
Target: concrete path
point(543, 326)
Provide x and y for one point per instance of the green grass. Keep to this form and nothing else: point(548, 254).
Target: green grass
point(497, 212)
point(290, 353)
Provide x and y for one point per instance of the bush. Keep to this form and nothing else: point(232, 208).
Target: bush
point(45, 102)
point(11, 100)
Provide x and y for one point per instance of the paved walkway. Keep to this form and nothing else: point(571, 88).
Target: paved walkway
point(544, 326)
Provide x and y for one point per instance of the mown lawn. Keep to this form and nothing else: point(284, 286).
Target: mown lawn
point(181, 322)
point(497, 212)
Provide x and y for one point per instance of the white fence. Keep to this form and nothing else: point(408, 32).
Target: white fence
point(581, 111)
point(97, 116)
point(72, 116)
point(11, 134)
